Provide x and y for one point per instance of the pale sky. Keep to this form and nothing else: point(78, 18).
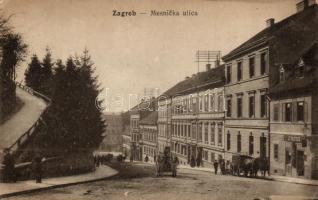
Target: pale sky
point(131, 53)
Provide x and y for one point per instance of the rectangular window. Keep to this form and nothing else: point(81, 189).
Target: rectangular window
point(200, 132)
point(252, 106)
point(228, 73)
point(189, 131)
point(220, 102)
point(200, 103)
point(239, 71)
point(239, 143)
point(182, 130)
point(288, 112)
point(263, 63)
point(194, 131)
point(229, 108)
point(228, 141)
point(300, 111)
point(276, 151)
point(251, 145)
point(276, 112)
point(252, 66)
point(239, 106)
point(263, 106)
point(206, 133)
point(212, 103)
point(220, 134)
point(194, 104)
point(206, 103)
point(212, 128)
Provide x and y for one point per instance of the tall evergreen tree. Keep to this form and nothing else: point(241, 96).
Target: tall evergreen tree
point(47, 73)
point(33, 73)
point(92, 117)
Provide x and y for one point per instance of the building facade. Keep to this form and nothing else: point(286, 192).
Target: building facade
point(198, 126)
point(136, 114)
point(262, 85)
point(246, 118)
point(164, 123)
point(148, 128)
point(113, 139)
point(293, 122)
point(136, 137)
point(191, 118)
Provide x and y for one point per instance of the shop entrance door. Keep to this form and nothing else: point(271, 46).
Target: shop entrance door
point(300, 163)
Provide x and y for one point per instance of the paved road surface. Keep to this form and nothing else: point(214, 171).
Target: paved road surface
point(137, 182)
point(19, 123)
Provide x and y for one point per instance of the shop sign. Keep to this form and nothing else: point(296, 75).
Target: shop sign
point(294, 138)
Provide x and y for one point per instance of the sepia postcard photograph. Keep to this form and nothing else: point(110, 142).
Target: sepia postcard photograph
point(159, 99)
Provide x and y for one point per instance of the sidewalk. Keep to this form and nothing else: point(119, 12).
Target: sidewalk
point(272, 177)
point(22, 187)
point(294, 180)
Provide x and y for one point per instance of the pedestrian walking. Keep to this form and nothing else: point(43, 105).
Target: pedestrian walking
point(216, 165)
point(37, 169)
point(222, 166)
point(174, 166)
point(192, 162)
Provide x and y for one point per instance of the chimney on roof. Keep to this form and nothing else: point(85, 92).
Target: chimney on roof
point(304, 4)
point(208, 67)
point(270, 22)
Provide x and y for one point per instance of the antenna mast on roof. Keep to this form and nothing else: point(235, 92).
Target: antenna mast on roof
point(208, 57)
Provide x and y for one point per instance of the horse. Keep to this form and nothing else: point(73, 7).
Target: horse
point(261, 164)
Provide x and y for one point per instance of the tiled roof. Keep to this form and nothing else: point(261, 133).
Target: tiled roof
point(303, 84)
point(151, 119)
point(200, 81)
point(288, 38)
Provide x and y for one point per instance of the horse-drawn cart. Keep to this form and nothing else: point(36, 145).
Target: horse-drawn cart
point(241, 163)
point(249, 165)
point(166, 163)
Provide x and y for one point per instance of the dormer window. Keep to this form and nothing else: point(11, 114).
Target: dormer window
point(282, 74)
point(299, 72)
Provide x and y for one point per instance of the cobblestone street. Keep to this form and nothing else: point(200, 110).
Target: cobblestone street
point(137, 181)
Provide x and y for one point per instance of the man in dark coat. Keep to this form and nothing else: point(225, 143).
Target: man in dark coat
point(37, 169)
point(216, 165)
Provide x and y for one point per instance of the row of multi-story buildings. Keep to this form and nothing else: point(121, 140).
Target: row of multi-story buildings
point(262, 102)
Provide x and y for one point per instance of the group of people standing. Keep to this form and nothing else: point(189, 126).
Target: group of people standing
point(225, 167)
point(9, 171)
